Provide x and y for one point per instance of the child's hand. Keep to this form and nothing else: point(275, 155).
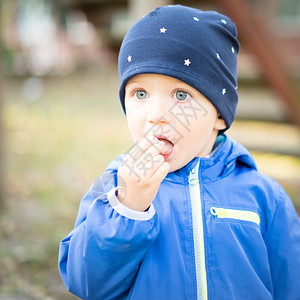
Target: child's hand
point(141, 172)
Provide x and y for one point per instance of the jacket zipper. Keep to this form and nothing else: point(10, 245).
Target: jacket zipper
point(237, 214)
point(198, 233)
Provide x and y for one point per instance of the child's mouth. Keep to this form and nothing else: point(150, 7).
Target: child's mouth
point(168, 148)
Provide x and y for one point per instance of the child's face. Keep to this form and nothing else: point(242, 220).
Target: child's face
point(174, 112)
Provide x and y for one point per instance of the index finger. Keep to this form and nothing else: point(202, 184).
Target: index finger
point(139, 148)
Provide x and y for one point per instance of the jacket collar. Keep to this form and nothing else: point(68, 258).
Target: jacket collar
point(226, 155)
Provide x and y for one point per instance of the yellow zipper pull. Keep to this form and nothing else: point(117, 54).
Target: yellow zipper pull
point(219, 212)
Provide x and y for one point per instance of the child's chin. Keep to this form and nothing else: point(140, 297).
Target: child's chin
point(174, 166)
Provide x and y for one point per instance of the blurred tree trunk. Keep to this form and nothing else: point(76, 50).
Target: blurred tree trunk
point(139, 8)
point(1, 120)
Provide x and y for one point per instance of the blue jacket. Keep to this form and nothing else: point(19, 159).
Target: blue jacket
point(217, 229)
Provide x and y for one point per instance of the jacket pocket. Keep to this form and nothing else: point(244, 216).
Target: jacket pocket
point(227, 213)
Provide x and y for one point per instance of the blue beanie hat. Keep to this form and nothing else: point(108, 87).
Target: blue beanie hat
point(199, 48)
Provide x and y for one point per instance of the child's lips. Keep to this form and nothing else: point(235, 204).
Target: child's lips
point(168, 147)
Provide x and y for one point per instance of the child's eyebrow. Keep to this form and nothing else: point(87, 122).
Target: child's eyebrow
point(134, 83)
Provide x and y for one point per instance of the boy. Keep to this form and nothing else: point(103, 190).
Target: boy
point(185, 214)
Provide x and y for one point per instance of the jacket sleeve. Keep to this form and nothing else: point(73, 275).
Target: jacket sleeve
point(100, 258)
point(283, 242)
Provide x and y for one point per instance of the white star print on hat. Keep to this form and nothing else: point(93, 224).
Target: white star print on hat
point(196, 19)
point(129, 58)
point(187, 62)
point(163, 30)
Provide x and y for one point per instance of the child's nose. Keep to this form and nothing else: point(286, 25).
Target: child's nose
point(158, 111)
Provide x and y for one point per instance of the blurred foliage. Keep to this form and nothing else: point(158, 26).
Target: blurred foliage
point(7, 57)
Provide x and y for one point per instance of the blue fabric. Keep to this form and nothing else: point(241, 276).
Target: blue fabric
point(197, 47)
point(108, 256)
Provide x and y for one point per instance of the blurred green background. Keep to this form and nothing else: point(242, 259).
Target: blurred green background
point(61, 122)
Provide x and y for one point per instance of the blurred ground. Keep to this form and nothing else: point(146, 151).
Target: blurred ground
point(57, 142)
point(56, 147)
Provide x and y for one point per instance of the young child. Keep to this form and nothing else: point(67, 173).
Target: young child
point(184, 214)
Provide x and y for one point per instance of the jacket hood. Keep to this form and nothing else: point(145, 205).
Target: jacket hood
point(227, 156)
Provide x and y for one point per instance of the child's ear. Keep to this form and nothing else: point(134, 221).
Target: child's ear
point(220, 123)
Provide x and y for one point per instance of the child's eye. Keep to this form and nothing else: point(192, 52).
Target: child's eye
point(141, 94)
point(181, 95)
